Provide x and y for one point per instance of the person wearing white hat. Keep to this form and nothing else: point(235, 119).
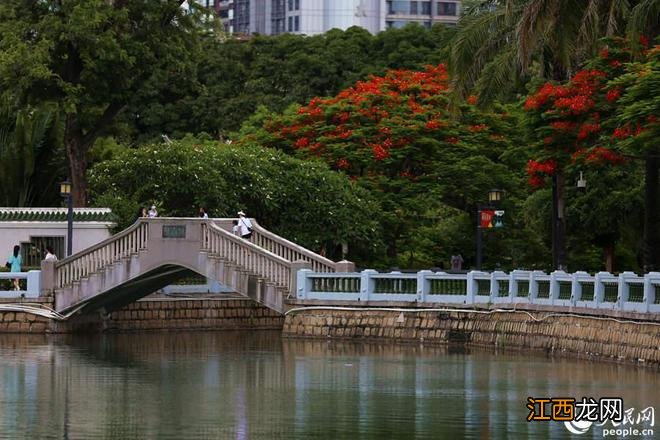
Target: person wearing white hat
point(244, 225)
point(152, 212)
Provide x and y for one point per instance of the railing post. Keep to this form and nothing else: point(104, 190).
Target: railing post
point(33, 281)
point(576, 286)
point(422, 285)
point(48, 280)
point(513, 284)
point(495, 285)
point(554, 286)
point(366, 284)
point(344, 266)
point(534, 285)
point(623, 291)
point(599, 287)
point(303, 283)
point(298, 267)
point(471, 288)
point(649, 289)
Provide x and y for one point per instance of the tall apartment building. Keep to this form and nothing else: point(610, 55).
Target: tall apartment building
point(310, 17)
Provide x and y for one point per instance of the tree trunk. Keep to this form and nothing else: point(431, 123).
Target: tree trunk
point(558, 222)
point(609, 257)
point(651, 247)
point(76, 152)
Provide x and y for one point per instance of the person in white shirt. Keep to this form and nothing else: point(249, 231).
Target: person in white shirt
point(244, 225)
point(235, 229)
point(202, 213)
point(152, 212)
point(50, 254)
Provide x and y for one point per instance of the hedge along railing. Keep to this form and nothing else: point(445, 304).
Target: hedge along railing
point(246, 255)
point(282, 247)
point(624, 292)
point(122, 245)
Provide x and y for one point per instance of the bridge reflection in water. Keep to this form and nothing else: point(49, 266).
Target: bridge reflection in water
point(257, 385)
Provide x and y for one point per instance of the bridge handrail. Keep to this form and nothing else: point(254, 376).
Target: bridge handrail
point(246, 255)
point(112, 249)
point(284, 248)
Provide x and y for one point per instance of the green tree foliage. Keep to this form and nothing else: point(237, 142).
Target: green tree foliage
point(31, 156)
point(301, 200)
point(637, 131)
point(235, 77)
point(91, 57)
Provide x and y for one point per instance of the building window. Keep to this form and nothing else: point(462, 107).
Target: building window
point(34, 251)
point(426, 8)
point(297, 5)
point(447, 8)
point(395, 24)
point(290, 5)
point(296, 23)
point(290, 28)
point(398, 7)
point(413, 8)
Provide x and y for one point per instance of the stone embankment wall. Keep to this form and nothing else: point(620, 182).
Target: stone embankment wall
point(153, 313)
point(203, 314)
point(584, 336)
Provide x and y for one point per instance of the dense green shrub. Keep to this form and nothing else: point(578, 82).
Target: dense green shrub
point(303, 201)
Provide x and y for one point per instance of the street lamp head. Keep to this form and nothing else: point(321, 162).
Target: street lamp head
point(495, 195)
point(65, 188)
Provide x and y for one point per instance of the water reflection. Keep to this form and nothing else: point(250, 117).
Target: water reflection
point(246, 385)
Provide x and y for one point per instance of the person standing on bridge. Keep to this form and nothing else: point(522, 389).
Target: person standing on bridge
point(203, 213)
point(244, 225)
point(152, 212)
point(50, 254)
point(14, 264)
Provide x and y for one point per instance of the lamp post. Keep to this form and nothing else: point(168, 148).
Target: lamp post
point(65, 191)
point(494, 198)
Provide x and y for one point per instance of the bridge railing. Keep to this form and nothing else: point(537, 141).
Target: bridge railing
point(109, 251)
point(246, 255)
point(624, 292)
point(282, 247)
point(33, 283)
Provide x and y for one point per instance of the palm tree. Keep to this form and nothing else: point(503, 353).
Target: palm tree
point(498, 42)
point(31, 157)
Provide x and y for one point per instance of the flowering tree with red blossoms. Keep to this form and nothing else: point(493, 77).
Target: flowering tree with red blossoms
point(575, 124)
point(398, 134)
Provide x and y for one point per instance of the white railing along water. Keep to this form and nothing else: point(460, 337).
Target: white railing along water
point(32, 278)
point(624, 292)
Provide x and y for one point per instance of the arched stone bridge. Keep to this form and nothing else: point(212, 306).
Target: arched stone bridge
point(152, 253)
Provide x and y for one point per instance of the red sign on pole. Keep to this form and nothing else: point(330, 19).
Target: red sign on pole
point(486, 218)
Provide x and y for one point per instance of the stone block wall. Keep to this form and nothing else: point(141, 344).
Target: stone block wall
point(584, 336)
point(153, 313)
point(203, 314)
point(21, 322)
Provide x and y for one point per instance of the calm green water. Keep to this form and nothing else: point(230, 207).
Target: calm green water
point(256, 385)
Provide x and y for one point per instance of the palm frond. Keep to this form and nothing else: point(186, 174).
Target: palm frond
point(496, 79)
point(644, 20)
